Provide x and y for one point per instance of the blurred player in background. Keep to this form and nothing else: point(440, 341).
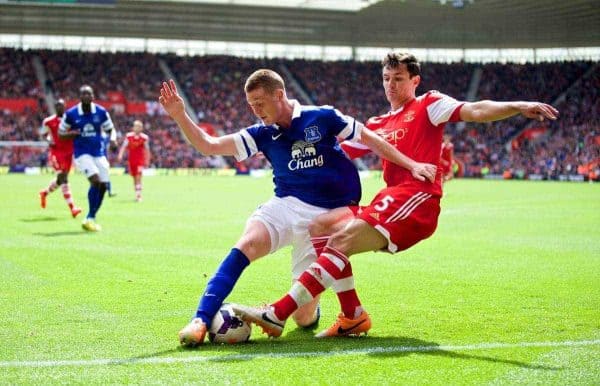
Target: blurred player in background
point(403, 213)
point(88, 123)
point(137, 145)
point(311, 175)
point(447, 158)
point(60, 157)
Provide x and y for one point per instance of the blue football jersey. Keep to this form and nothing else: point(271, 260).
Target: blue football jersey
point(92, 128)
point(307, 160)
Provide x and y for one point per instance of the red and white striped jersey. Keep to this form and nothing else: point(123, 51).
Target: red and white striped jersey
point(416, 130)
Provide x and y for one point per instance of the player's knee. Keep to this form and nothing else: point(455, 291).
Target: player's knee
point(252, 247)
point(318, 227)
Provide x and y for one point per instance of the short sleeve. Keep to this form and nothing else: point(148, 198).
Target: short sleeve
point(348, 128)
point(107, 125)
point(245, 143)
point(443, 109)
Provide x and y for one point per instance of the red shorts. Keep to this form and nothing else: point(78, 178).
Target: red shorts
point(135, 168)
point(403, 214)
point(61, 162)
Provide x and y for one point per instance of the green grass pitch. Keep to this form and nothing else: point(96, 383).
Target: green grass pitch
point(507, 291)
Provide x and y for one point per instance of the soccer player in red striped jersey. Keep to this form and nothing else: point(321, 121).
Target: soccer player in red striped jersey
point(136, 144)
point(61, 158)
point(401, 214)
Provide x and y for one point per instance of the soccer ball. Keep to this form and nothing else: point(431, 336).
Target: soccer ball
point(226, 327)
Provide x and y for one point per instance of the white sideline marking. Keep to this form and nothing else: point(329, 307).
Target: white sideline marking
point(237, 357)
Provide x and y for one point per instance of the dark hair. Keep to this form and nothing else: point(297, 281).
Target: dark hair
point(269, 80)
point(395, 59)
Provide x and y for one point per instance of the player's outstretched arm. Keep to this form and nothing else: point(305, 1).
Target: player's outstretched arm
point(204, 143)
point(487, 111)
point(421, 171)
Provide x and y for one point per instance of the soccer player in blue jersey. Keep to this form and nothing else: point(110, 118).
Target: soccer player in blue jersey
point(88, 124)
point(311, 175)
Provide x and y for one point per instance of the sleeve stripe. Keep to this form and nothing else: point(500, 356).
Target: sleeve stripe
point(352, 132)
point(245, 145)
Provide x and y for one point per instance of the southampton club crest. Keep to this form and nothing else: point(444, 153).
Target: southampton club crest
point(304, 156)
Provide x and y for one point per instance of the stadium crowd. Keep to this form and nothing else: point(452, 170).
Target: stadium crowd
point(214, 87)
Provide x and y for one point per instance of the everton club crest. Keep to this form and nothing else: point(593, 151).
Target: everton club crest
point(311, 134)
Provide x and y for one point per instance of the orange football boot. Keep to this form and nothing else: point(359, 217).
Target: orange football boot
point(347, 327)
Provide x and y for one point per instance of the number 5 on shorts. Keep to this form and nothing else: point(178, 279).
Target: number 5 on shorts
point(385, 202)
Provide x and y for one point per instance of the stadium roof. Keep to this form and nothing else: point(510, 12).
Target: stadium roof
point(387, 23)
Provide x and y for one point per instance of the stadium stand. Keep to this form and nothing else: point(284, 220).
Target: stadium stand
point(128, 83)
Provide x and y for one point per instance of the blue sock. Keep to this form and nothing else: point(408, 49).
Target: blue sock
point(101, 193)
point(109, 187)
point(221, 284)
point(93, 197)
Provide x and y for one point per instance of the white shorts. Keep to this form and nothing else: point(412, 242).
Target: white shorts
point(89, 166)
point(287, 221)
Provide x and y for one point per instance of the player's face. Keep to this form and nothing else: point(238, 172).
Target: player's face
point(399, 86)
point(86, 96)
point(264, 105)
point(60, 108)
point(138, 126)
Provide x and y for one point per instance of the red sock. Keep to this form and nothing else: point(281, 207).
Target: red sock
point(346, 293)
point(319, 243)
point(320, 275)
point(67, 195)
point(52, 187)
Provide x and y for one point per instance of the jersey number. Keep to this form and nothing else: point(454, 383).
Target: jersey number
point(384, 204)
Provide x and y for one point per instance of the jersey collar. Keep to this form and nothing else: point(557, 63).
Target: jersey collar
point(80, 109)
point(296, 111)
point(399, 109)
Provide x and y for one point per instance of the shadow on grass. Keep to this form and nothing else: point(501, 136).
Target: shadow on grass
point(39, 219)
point(300, 343)
point(58, 234)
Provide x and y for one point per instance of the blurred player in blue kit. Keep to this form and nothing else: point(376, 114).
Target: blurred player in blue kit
point(311, 174)
point(89, 124)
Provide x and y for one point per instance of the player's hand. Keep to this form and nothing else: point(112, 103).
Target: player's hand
point(170, 99)
point(539, 111)
point(423, 171)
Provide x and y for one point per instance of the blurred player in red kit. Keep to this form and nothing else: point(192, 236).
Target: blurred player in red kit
point(60, 157)
point(136, 143)
point(447, 158)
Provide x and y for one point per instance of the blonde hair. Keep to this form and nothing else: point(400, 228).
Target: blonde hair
point(264, 78)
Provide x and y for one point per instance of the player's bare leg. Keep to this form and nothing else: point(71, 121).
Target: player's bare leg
point(308, 315)
point(330, 222)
